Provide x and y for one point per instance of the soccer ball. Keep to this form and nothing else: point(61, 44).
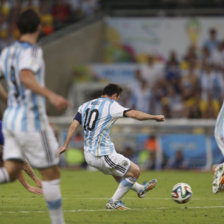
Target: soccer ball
point(181, 193)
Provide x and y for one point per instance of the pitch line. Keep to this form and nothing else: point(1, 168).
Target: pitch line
point(126, 198)
point(106, 210)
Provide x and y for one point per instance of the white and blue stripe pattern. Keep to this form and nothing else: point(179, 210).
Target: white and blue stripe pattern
point(219, 127)
point(98, 116)
point(26, 109)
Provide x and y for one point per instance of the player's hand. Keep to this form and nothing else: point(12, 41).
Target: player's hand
point(61, 150)
point(59, 102)
point(160, 118)
point(34, 190)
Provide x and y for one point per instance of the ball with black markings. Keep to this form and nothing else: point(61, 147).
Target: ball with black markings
point(181, 193)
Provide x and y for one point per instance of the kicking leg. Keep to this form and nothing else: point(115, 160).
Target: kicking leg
point(124, 186)
point(140, 188)
point(135, 187)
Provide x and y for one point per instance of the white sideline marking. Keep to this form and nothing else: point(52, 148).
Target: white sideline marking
point(106, 210)
point(126, 198)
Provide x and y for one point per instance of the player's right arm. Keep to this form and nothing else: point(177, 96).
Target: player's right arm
point(141, 116)
point(71, 131)
point(29, 80)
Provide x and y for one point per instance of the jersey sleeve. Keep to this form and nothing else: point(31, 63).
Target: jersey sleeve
point(118, 111)
point(78, 115)
point(31, 59)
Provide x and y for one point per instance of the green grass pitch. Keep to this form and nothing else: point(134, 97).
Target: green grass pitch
point(85, 194)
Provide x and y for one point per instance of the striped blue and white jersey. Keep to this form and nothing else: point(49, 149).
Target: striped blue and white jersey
point(26, 109)
point(97, 117)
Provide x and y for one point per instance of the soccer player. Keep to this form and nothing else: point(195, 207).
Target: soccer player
point(97, 117)
point(26, 128)
point(218, 179)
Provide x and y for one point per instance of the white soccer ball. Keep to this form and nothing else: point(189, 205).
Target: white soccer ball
point(181, 193)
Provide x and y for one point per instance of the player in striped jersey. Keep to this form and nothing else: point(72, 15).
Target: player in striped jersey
point(218, 179)
point(96, 118)
point(26, 129)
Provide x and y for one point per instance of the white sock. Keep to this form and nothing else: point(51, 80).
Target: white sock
point(52, 195)
point(4, 176)
point(137, 187)
point(124, 186)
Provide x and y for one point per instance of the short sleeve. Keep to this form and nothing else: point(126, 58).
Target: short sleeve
point(31, 59)
point(117, 110)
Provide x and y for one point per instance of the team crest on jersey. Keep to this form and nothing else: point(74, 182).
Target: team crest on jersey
point(125, 163)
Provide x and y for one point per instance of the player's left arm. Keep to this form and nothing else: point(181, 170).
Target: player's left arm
point(71, 131)
point(28, 169)
point(30, 188)
point(141, 116)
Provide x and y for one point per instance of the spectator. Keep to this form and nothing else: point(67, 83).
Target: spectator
point(47, 18)
point(173, 75)
point(189, 83)
point(211, 81)
point(210, 107)
point(212, 42)
point(175, 102)
point(60, 12)
point(150, 163)
point(205, 56)
point(160, 91)
point(178, 161)
point(142, 98)
point(217, 57)
point(152, 71)
point(75, 9)
point(147, 157)
point(89, 7)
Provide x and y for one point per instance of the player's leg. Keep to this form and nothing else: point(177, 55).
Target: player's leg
point(52, 193)
point(127, 182)
point(10, 170)
point(41, 152)
point(141, 189)
point(136, 186)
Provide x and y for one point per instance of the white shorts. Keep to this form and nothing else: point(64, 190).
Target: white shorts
point(39, 148)
point(114, 164)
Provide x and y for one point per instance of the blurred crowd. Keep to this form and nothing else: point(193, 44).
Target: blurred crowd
point(55, 14)
point(191, 87)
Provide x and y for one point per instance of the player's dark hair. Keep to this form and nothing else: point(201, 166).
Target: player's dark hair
point(110, 89)
point(28, 21)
